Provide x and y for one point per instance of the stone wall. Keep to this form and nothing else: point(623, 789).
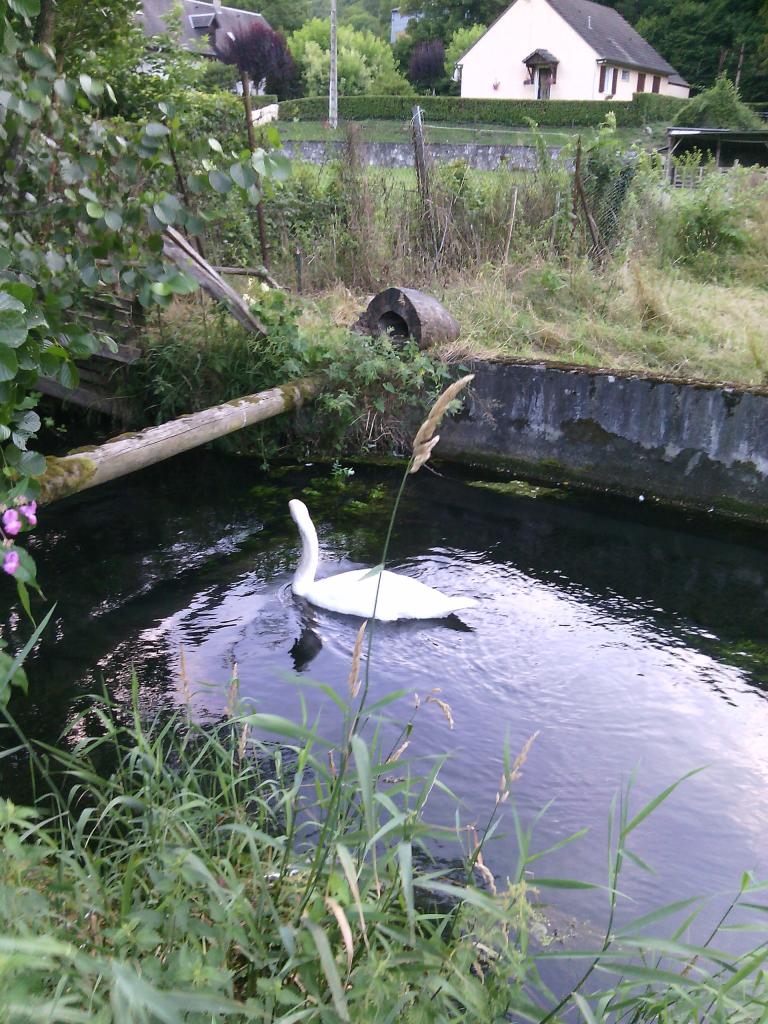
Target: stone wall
point(696, 444)
point(400, 154)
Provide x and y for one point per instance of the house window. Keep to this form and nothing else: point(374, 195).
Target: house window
point(615, 81)
point(641, 82)
point(624, 75)
point(601, 86)
point(656, 83)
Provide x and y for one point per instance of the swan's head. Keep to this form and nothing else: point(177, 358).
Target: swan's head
point(299, 513)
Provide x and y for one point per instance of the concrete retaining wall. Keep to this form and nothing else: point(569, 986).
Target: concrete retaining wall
point(400, 154)
point(696, 444)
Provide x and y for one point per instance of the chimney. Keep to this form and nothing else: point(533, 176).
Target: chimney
point(589, 16)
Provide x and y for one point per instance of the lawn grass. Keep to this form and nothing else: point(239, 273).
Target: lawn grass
point(400, 131)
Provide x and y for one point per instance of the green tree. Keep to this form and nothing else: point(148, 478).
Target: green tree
point(440, 20)
point(366, 63)
point(284, 15)
point(461, 41)
point(704, 38)
point(83, 208)
point(76, 27)
point(358, 17)
point(719, 107)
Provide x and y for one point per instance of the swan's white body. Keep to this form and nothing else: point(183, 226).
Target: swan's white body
point(354, 593)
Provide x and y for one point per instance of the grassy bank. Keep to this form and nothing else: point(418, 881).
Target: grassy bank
point(679, 289)
point(638, 317)
point(656, 279)
point(493, 135)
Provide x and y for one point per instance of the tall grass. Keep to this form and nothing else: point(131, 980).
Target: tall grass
point(680, 291)
point(180, 871)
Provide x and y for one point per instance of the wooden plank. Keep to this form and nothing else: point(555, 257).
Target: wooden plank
point(187, 258)
point(84, 397)
point(127, 354)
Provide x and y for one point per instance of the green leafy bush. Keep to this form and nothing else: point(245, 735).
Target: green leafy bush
point(218, 115)
point(706, 225)
point(720, 107)
point(216, 76)
point(197, 356)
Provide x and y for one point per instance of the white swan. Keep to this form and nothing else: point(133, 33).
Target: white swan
point(354, 593)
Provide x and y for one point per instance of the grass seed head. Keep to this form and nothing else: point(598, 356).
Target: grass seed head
point(444, 706)
point(354, 672)
point(426, 439)
point(397, 754)
point(514, 773)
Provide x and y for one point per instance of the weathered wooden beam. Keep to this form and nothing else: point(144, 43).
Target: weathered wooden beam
point(89, 467)
point(187, 258)
point(108, 405)
point(261, 272)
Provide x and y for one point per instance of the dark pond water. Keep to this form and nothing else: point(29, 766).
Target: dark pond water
point(630, 639)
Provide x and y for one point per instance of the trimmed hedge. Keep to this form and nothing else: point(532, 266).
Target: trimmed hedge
point(642, 108)
point(218, 115)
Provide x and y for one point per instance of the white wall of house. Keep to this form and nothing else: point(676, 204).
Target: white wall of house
point(494, 69)
point(677, 89)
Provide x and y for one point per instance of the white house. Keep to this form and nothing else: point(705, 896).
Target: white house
point(564, 50)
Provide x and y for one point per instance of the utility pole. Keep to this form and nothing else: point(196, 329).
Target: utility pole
point(333, 86)
point(737, 80)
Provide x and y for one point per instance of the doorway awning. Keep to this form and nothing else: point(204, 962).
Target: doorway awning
point(541, 58)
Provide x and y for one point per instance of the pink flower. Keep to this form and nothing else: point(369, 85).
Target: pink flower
point(29, 512)
point(11, 563)
point(11, 523)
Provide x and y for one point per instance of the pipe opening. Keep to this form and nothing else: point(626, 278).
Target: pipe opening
point(393, 325)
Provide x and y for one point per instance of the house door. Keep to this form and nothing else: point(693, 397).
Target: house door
point(545, 81)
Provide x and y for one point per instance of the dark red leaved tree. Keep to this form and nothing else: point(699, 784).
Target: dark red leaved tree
point(427, 64)
point(261, 56)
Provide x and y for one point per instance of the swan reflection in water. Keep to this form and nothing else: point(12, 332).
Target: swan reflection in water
point(309, 642)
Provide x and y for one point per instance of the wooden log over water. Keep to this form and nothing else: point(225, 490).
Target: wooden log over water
point(89, 467)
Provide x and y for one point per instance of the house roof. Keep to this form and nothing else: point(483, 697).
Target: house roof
point(610, 35)
point(742, 135)
point(604, 29)
point(196, 20)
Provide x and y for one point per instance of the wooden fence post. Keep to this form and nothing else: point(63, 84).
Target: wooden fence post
point(422, 175)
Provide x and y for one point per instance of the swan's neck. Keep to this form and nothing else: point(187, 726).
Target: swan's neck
point(304, 576)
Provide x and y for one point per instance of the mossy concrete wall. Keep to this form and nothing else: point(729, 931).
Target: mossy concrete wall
point(696, 444)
